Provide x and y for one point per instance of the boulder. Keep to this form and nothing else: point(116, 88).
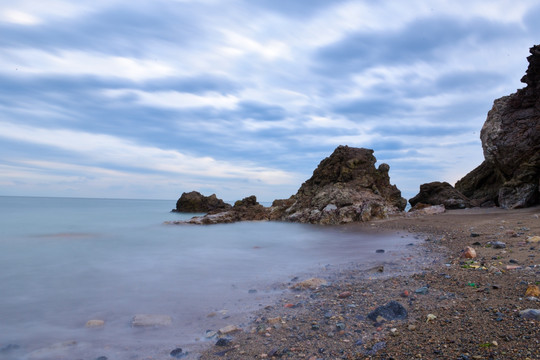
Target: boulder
point(510, 174)
point(247, 209)
point(195, 202)
point(345, 187)
point(440, 193)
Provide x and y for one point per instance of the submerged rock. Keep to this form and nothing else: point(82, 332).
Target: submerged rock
point(510, 174)
point(151, 320)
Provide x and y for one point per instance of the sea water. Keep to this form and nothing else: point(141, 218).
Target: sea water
point(64, 261)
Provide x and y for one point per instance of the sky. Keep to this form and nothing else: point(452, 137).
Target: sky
point(149, 99)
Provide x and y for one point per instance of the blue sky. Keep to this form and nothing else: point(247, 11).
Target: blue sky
point(148, 99)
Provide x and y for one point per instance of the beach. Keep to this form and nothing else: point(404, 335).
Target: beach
point(456, 307)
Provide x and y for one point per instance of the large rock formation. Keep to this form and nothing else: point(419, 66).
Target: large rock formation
point(345, 187)
point(440, 193)
point(510, 174)
point(195, 202)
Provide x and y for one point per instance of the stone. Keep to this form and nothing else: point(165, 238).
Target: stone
point(440, 193)
point(468, 253)
point(229, 329)
point(510, 174)
point(151, 320)
point(345, 187)
point(422, 209)
point(178, 353)
point(247, 209)
point(195, 202)
point(223, 342)
point(390, 311)
point(311, 284)
point(533, 314)
point(430, 317)
point(498, 245)
point(423, 290)
point(533, 239)
point(344, 295)
point(533, 290)
point(95, 323)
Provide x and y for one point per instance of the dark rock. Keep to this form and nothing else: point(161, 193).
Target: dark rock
point(223, 342)
point(102, 358)
point(379, 251)
point(195, 202)
point(346, 187)
point(178, 353)
point(510, 174)
point(440, 193)
point(423, 290)
point(391, 311)
point(498, 245)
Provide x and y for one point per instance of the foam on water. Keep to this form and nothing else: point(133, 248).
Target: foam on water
point(66, 261)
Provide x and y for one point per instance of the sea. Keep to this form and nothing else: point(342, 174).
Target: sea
point(65, 261)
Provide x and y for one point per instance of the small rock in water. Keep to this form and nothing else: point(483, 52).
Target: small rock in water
point(210, 334)
point(311, 284)
point(379, 251)
point(95, 323)
point(252, 291)
point(530, 314)
point(102, 358)
point(178, 353)
point(149, 320)
point(223, 342)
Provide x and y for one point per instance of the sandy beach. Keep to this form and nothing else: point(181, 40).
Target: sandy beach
point(455, 307)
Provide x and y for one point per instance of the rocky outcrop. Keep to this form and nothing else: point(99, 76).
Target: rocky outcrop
point(440, 193)
point(195, 202)
point(346, 187)
point(247, 209)
point(510, 175)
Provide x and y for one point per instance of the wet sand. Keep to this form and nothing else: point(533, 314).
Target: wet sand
point(457, 308)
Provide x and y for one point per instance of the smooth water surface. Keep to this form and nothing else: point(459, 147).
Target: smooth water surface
point(64, 261)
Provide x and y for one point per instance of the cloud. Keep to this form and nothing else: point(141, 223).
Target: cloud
point(112, 151)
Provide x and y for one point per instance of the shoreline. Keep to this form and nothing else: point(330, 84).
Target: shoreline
point(476, 309)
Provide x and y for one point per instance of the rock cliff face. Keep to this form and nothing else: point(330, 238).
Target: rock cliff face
point(510, 175)
point(196, 202)
point(345, 187)
point(440, 193)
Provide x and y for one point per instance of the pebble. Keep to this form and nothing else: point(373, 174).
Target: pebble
point(423, 290)
point(532, 291)
point(498, 245)
point(178, 353)
point(344, 295)
point(379, 251)
point(223, 342)
point(94, 323)
point(530, 314)
point(229, 329)
point(469, 253)
point(144, 320)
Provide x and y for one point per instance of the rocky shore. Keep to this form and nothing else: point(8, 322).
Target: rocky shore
point(451, 307)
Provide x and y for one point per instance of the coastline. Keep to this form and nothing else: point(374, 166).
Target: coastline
point(476, 302)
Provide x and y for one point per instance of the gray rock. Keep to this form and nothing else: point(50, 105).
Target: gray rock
point(498, 245)
point(530, 314)
point(391, 311)
point(440, 193)
point(151, 320)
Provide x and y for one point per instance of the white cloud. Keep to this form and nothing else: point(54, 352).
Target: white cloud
point(175, 99)
point(113, 151)
point(69, 62)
